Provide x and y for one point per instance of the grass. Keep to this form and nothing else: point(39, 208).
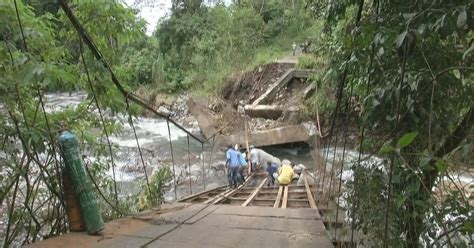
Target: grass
point(216, 78)
point(209, 80)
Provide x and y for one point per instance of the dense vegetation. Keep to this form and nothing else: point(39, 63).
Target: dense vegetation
point(200, 45)
point(402, 72)
point(41, 51)
point(408, 70)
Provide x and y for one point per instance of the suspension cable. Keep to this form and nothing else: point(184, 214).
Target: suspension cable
point(392, 157)
point(130, 120)
point(346, 128)
point(203, 167)
point(96, 52)
point(53, 147)
point(96, 101)
point(172, 160)
point(362, 138)
point(333, 124)
point(114, 207)
point(189, 167)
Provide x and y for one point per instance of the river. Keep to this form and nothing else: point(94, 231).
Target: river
point(204, 172)
point(154, 140)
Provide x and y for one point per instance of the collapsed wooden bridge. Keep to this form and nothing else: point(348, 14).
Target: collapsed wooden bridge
point(253, 193)
point(251, 215)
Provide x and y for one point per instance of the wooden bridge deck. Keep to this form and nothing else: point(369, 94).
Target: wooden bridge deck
point(251, 216)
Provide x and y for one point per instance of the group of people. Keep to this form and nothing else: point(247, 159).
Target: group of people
point(304, 46)
point(237, 163)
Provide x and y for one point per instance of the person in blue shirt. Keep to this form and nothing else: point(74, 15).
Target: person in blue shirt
point(242, 168)
point(271, 169)
point(229, 147)
point(233, 162)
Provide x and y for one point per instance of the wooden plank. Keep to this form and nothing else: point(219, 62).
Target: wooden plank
point(282, 82)
point(237, 198)
point(297, 200)
point(262, 200)
point(284, 204)
point(254, 193)
point(228, 193)
point(312, 203)
point(278, 199)
point(199, 194)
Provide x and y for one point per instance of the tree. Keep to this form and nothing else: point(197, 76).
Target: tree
point(413, 68)
point(39, 52)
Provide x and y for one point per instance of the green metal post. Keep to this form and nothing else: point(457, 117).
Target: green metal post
point(82, 185)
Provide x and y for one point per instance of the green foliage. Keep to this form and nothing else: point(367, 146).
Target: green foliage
point(142, 60)
point(154, 195)
point(412, 69)
point(43, 55)
point(200, 45)
point(406, 140)
point(310, 62)
point(322, 102)
point(375, 187)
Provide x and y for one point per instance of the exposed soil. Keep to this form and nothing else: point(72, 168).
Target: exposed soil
point(288, 94)
point(247, 87)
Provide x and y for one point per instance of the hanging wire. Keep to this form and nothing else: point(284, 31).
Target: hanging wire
point(335, 116)
point(114, 207)
point(362, 138)
point(325, 157)
point(189, 168)
point(348, 109)
point(96, 101)
point(60, 218)
point(331, 174)
point(130, 120)
point(203, 167)
point(40, 98)
point(172, 160)
point(97, 54)
point(392, 157)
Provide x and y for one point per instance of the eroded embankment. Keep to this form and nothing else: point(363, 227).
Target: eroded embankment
point(261, 106)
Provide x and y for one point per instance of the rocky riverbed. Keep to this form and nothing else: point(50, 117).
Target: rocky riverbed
point(154, 140)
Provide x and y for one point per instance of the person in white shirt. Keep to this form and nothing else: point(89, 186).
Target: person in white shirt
point(259, 157)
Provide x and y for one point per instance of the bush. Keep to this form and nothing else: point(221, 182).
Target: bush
point(310, 62)
point(200, 47)
point(154, 194)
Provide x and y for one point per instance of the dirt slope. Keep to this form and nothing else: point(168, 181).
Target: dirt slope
point(247, 87)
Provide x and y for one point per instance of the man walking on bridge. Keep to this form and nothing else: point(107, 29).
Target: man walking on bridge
point(233, 162)
point(259, 157)
point(271, 169)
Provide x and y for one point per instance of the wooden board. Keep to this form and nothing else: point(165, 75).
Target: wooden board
point(228, 193)
point(285, 198)
point(312, 203)
point(199, 194)
point(254, 193)
point(278, 198)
